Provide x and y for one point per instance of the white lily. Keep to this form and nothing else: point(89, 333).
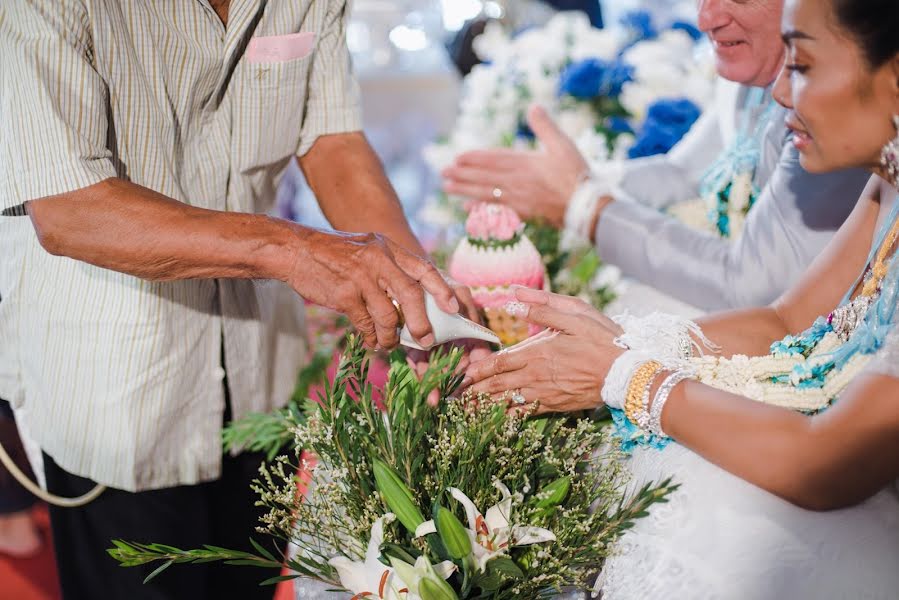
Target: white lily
point(492, 535)
point(371, 579)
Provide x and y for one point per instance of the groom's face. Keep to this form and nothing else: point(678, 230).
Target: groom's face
point(746, 38)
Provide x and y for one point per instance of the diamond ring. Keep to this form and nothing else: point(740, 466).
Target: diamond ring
point(497, 193)
point(518, 399)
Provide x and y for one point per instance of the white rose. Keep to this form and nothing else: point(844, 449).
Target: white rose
point(576, 119)
point(593, 146)
point(597, 43)
point(493, 44)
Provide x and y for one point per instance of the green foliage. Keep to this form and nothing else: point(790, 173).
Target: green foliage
point(404, 456)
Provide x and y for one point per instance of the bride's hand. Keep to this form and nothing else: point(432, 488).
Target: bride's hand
point(562, 368)
point(535, 183)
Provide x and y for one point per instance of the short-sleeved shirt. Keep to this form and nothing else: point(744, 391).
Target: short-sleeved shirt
point(122, 378)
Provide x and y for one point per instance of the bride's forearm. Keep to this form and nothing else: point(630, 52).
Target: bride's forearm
point(749, 331)
point(829, 461)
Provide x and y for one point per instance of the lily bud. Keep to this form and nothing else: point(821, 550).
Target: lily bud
point(433, 589)
point(453, 534)
point(397, 496)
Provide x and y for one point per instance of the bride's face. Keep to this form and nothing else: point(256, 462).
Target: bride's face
point(841, 107)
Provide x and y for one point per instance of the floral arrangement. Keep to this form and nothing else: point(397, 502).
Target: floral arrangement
point(626, 91)
point(494, 256)
point(408, 501)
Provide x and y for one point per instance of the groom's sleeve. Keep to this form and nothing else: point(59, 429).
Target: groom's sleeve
point(795, 217)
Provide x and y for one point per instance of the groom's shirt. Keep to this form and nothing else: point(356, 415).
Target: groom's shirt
point(792, 221)
point(121, 379)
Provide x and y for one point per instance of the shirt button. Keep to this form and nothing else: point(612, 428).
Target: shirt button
point(218, 373)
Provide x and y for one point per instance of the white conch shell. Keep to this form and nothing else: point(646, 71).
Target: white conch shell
point(447, 328)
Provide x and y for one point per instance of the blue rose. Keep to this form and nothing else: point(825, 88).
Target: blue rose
point(594, 77)
point(640, 25)
point(619, 125)
point(677, 112)
point(689, 28)
point(667, 121)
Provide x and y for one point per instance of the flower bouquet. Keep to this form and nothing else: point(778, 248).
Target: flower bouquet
point(409, 501)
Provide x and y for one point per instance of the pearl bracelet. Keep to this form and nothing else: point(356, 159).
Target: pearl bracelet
point(582, 206)
point(661, 398)
point(614, 389)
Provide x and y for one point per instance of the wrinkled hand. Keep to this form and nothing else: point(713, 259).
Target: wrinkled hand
point(358, 274)
point(534, 183)
point(562, 368)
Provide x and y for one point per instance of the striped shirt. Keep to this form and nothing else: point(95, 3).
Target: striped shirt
point(122, 378)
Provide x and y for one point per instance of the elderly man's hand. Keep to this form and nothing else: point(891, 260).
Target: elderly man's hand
point(358, 274)
point(534, 183)
point(563, 368)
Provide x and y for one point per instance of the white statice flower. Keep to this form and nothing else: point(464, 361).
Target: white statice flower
point(492, 534)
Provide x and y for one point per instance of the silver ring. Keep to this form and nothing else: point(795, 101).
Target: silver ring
point(519, 399)
point(497, 193)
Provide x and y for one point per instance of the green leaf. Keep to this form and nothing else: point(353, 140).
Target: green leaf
point(158, 570)
point(265, 553)
point(504, 565)
point(278, 579)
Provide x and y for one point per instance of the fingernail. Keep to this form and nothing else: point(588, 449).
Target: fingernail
point(454, 305)
point(466, 382)
point(516, 308)
point(427, 341)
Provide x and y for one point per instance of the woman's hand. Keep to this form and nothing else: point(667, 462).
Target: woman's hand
point(535, 183)
point(564, 367)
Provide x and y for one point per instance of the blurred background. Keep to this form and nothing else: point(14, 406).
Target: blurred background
point(410, 57)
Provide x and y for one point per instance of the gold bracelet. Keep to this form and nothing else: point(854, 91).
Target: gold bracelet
point(635, 401)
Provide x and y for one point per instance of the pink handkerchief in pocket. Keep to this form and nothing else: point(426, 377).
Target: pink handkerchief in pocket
point(279, 48)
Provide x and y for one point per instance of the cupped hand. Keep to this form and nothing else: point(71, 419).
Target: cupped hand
point(358, 274)
point(563, 368)
point(537, 184)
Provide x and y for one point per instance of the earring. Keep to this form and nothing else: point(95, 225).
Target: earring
point(889, 156)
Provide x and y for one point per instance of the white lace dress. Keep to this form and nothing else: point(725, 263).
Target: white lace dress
point(721, 537)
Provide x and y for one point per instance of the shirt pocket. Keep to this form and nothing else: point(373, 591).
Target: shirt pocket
point(270, 107)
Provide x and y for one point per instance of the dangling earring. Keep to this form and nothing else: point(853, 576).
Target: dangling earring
point(889, 156)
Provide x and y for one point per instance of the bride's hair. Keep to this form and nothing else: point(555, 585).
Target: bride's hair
point(874, 24)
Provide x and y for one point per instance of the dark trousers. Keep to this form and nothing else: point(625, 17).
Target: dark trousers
point(219, 513)
point(13, 497)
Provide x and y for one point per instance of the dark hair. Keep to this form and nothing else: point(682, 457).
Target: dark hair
point(874, 24)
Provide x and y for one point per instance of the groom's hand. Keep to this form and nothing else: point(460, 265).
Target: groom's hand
point(536, 183)
point(358, 274)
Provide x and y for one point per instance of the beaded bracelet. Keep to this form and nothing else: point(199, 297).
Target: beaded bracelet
point(638, 391)
point(661, 398)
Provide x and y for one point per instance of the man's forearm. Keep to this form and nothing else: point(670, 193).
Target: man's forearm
point(348, 180)
point(128, 228)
